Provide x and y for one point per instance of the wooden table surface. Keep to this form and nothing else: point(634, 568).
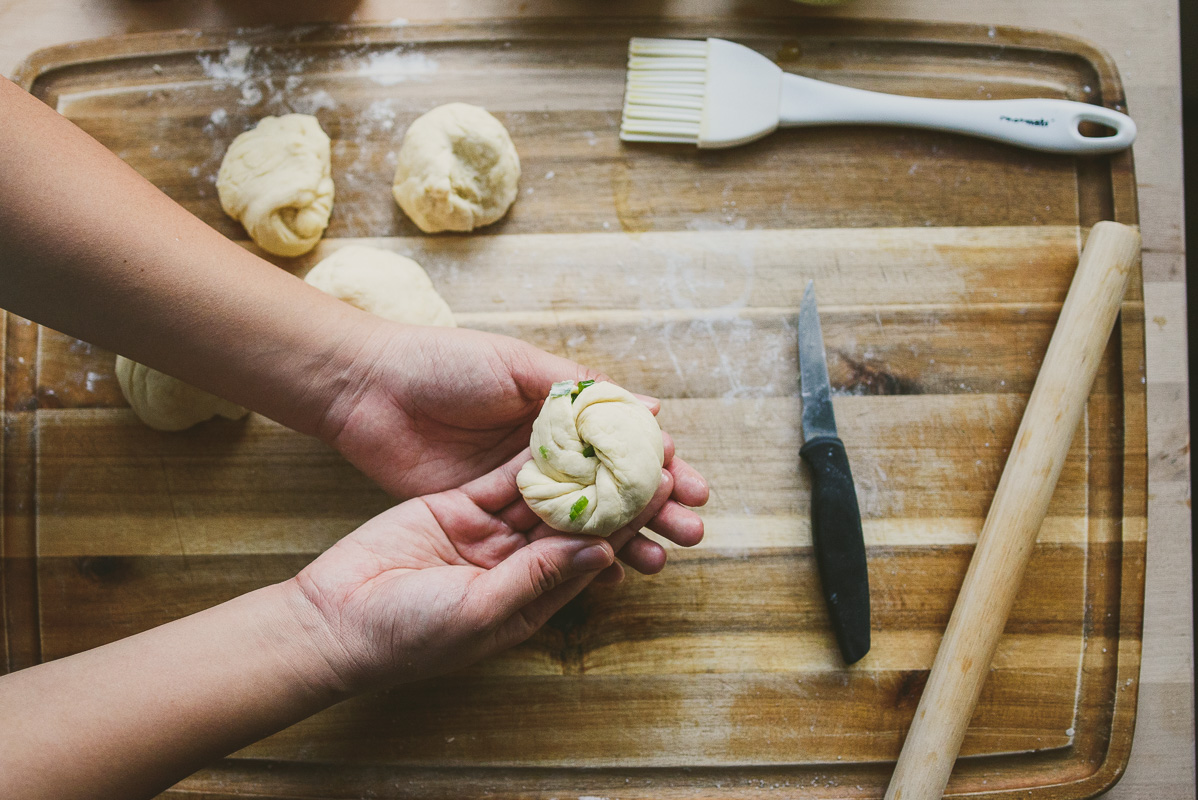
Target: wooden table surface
point(1145, 46)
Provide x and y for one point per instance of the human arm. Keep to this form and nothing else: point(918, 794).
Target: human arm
point(424, 588)
point(89, 247)
point(131, 718)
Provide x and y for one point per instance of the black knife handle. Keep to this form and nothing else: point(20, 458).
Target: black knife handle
point(839, 544)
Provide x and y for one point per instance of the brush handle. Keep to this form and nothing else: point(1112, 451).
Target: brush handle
point(1020, 504)
point(1036, 123)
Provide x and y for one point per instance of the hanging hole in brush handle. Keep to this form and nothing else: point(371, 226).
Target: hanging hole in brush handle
point(1048, 125)
point(1099, 126)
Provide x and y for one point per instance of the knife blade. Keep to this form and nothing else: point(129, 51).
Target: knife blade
point(835, 516)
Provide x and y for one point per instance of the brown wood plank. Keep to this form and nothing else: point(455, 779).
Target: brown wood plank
point(925, 468)
point(706, 720)
point(872, 350)
point(611, 640)
point(90, 600)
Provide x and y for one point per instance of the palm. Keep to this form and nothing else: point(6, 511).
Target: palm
point(394, 580)
point(448, 407)
point(412, 589)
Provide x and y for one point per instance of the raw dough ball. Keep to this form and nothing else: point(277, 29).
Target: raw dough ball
point(575, 491)
point(457, 170)
point(382, 283)
point(168, 404)
point(275, 181)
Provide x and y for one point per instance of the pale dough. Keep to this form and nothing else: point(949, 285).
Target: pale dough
point(168, 404)
point(382, 282)
point(576, 492)
point(275, 180)
point(457, 169)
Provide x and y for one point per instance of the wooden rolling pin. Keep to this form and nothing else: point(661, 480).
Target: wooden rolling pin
point(1013, 523)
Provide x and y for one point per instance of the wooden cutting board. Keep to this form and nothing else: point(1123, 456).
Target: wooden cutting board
point(940, 264)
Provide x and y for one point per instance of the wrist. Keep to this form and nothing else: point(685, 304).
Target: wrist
point(304, 638)
point(310, 352)
point(349, 378)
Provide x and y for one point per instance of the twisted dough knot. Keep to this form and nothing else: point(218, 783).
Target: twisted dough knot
point(596, 459)
point(276, 180)
point(168, 404)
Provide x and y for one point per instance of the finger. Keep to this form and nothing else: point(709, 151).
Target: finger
point(497, 489)
point(535, 371)
point(610, 576)
point(538, 568)
point(691, 484)
point(645, 556)
point(690, 488)
point(627, 534)
point(526, 621)
point(678, 524)
point(519, 517)
point(588, 374)
point(537, 613)
point(621, 537)
point(651, 403)
point(665, 488)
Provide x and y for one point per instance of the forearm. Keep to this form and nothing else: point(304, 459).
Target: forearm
point(88, 247)
point(131, 718)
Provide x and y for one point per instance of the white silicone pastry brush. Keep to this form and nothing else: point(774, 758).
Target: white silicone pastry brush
point(716, 93)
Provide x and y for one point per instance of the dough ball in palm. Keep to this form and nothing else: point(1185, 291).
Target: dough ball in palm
point(596, 459)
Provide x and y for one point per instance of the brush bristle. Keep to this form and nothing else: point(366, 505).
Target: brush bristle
point(642, 46)
point(663, 98)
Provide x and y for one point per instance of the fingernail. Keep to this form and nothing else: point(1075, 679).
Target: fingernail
point(612, 576)
point(590, 558)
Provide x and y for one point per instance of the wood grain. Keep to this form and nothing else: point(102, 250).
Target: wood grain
point(942, 263)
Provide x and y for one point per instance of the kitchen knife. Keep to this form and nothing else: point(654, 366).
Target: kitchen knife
point(835, 518)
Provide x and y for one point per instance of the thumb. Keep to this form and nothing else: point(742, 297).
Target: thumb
point(541, 566)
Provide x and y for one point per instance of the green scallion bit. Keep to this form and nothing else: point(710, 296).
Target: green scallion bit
point(579, 506)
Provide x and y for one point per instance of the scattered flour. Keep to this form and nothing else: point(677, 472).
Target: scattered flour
point(232, 66)
point(380, 113)
point(251, 95)
point(389, 67)
point(258, 80)
point(312, 102)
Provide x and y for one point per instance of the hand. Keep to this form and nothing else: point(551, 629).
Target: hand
point(431, 408)
point(441, 581)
